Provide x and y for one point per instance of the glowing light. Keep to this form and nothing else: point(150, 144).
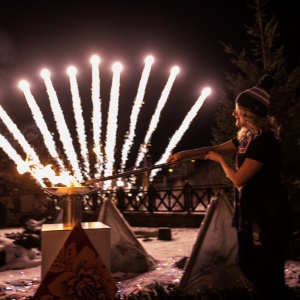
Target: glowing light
point(117, 67)
point(206, 92)
point(23, 85)
point(135, 110)
point(149, 60)
point(71, 71)
point(120, 183)
point(155, 118)
point(45, 73)
point(175, 70)
point(95, 60)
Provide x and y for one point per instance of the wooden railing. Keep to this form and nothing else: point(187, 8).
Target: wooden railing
point(185, 199)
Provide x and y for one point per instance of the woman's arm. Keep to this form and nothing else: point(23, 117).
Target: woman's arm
point(238, 177)
point(225, 148)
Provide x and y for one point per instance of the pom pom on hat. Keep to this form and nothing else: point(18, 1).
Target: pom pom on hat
point(257, 98)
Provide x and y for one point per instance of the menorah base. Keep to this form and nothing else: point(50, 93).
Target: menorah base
point(53, 237)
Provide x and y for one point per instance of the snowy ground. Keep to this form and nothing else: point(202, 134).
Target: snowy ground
point(19, 284)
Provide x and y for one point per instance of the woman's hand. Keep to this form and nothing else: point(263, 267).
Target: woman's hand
point(215, 156)
point(175, 158)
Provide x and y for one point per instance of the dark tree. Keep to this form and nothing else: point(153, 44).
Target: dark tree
point(265, 53)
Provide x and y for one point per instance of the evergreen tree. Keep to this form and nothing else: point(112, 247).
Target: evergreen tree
point(264, 54)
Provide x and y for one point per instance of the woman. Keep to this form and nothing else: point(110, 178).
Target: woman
point(261, 211)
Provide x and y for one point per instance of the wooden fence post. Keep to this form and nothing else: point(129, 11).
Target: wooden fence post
point(121, 199)
point(151, 197)
point(187, 197)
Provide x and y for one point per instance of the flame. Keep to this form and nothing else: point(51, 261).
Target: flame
point(40, 173)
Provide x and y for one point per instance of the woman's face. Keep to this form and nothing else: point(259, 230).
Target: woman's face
point(239, 121)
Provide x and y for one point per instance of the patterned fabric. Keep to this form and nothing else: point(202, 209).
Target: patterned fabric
point(77, 272)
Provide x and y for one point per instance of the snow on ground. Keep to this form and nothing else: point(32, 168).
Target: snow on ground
point(19, 284)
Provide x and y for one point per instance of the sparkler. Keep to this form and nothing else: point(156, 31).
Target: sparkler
point(182, 129)
point(12, 127)
point(112, 121)
point(79, 119)
point(155, 118)
point(97, 115)
point(61, 125)
point(135, 110)
point(40, 121)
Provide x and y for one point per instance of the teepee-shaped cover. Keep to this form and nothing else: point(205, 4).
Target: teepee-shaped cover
point(212, 263)
point(127, 253)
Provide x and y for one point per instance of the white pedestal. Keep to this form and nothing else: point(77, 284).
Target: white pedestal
point(53, 237)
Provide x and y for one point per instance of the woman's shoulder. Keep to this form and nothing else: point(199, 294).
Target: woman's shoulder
point(266, 141)
point(267, 135)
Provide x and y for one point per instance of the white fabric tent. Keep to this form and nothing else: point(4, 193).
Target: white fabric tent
point(212, 263)
point(127, 253)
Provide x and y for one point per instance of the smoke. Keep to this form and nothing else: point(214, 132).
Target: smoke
point(7, 58)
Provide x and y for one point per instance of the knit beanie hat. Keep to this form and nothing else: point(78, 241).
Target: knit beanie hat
point(257, 98)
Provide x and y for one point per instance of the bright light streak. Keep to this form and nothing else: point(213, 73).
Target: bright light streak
point(40, 122)
point(112, 122)
point(80, 127)
point(135, 110)
point(155, 117)
point(61, 125)
point(12, 127)
point(182, 129)
point(97, 114)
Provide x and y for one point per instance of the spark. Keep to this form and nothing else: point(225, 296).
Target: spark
point(112, 122)
point(40, 121)
point(61, 125)
point(135, 110)
point(79, 119)
point(155, 117)
point(97, 115)
point(182, 129)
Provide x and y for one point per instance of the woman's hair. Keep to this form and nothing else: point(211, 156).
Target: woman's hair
point(253, 125)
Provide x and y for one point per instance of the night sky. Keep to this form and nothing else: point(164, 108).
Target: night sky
point(57, 34)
